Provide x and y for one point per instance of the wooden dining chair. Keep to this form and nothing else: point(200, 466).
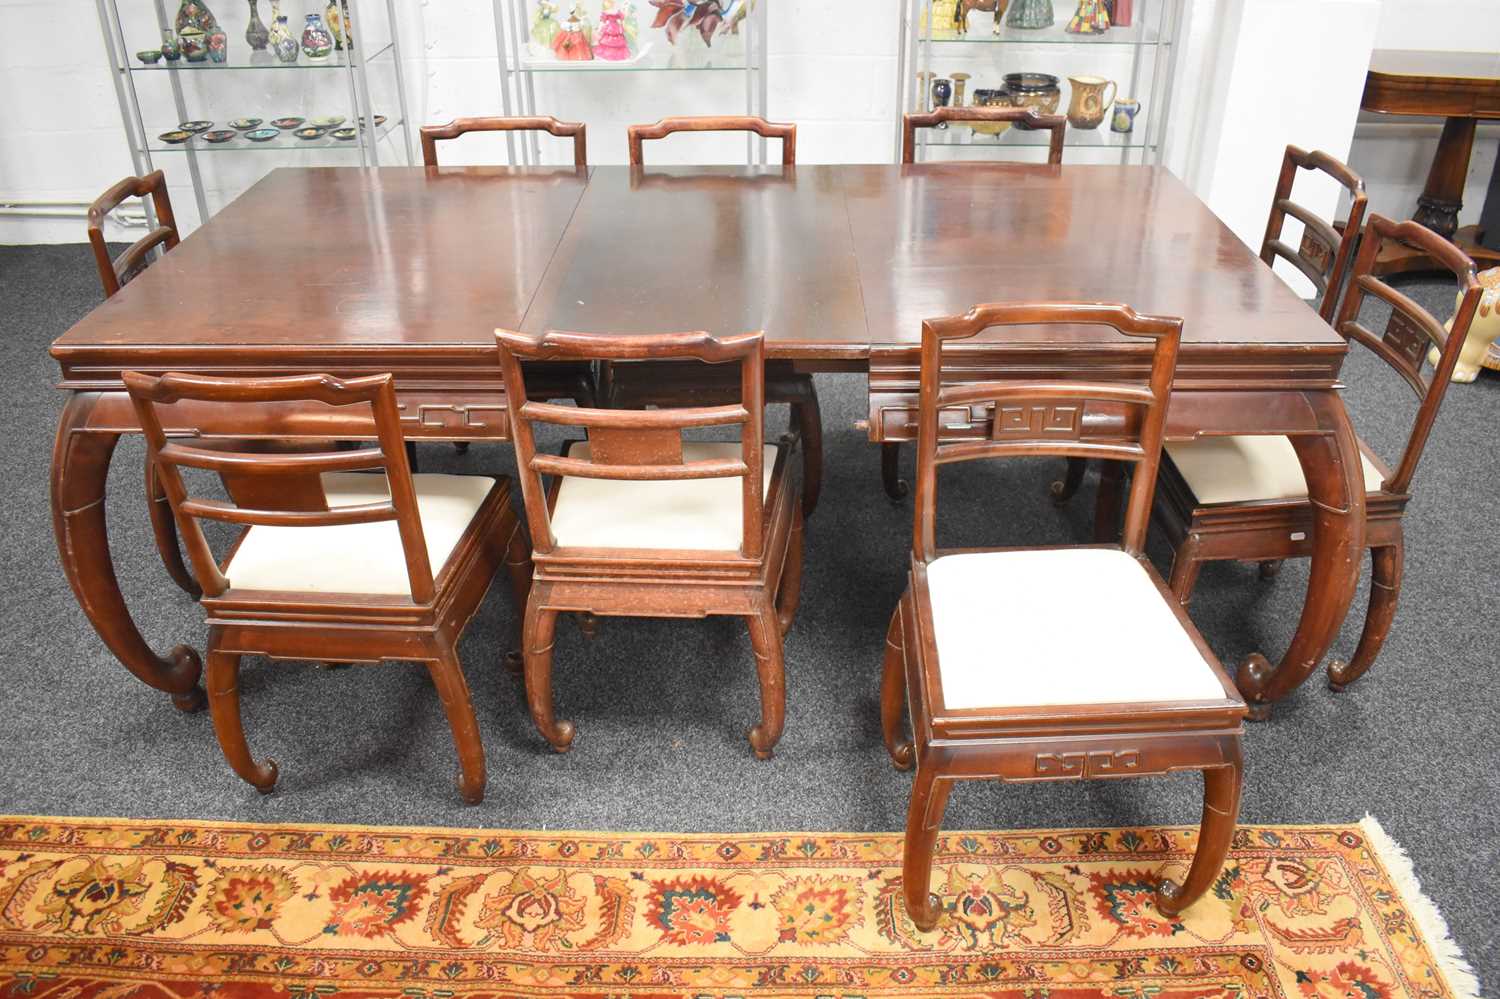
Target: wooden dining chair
point(638, 134)
point(1063, 663)
point(640, 522)
point(1323, 255)
point(1245, 497)
point(1027, 118)
point(433, 134)
point(644, 384)
point(347, 555)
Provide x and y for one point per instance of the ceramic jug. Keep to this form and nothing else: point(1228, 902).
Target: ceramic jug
point(1087, 104)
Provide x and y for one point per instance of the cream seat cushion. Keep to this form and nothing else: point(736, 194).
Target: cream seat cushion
point(680, 514)
point(358, 558)
point(1251, 467)
point(1065, 626)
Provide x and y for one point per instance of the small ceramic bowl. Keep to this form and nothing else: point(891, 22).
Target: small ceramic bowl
point(149, 56)
point(344, 134)
point(218, 135)
point(379, 120)
point(195, 126)
point(290, 122)
point(331, 121)
point(310, 133)
point(262, 134)
point(175, 136)
point(246, 124)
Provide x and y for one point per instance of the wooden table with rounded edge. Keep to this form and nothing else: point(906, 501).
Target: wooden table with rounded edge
point(1461, 87)
point(396, 269)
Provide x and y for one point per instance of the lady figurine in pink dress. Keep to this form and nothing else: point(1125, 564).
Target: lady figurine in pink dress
point(611, 42)
point(572, 39)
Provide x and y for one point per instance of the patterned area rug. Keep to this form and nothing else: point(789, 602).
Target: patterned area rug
point(115, 908)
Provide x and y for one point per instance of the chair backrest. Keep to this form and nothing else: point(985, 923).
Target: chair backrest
point(1029, 117)
point(722, 123)
point(116, 273)
point(1323, 254)
point(637, 444)
point(1075, 418)
point(280, 489)
point(1411, 330)
point(433, 134)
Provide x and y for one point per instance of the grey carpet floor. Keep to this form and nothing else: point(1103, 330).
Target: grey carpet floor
point(662, 706)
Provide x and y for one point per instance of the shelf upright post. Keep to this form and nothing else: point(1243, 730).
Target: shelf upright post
point(903, 41)
point(528, 84)
point(508, 75)
point(130, 104)
point(1164, 76)
point(400, 74)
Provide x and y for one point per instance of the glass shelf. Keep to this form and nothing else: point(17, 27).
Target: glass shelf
point(242, 57)
point(286, 140)
point(658, 56)
point(981, 32)
point(959, 134)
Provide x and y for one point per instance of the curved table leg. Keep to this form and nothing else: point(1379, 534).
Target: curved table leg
point(80, 466)
point(1335, 485)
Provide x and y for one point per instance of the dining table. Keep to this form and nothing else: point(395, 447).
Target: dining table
point(411, 270)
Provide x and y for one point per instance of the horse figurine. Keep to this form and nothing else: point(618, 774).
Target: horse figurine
point(965, 7)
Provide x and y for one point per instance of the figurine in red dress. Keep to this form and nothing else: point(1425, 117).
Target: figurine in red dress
point(572, 39)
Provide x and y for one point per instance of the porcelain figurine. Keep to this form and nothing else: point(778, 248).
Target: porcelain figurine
point(170, 50)
point(1483, 331)
point(256, 32)
point(1120, 12)
point(610, 42)
point(735, 12)
point(676, 15)
point(317, 43)
point(194, 44)
point(218, 46)
point(283, 42)
point(571, 44)
point(966, 7)
point(544, 24)
point(1030, 14)
point(334, 19)
point(630, 24)
point(1087, 104)
point(1123, 119)
point(1089, 19)
point(195, 14)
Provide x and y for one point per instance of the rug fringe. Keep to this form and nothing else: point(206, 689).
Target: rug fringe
point(1462, 980)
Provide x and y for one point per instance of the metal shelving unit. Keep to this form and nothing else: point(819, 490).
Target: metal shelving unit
point(154, 97)
point(1139, 57)
point(521, 62)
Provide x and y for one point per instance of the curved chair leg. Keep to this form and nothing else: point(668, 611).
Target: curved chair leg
point(1185, 566)
point(765, 639)
point(164, 530)
point(518, 568)
point(224, 708)
point(1110, 502)
point(1063, 489)
point(588, 624)
point(411, 455)
point(789, 589)
point(1386, 568)
point(1270, 568)
point(1221, 806)
point(893, 693)
point(541, 627)
point(462, 447)
point(448, 677)
point(890, 470)
point(924, 816)
point(809, 419)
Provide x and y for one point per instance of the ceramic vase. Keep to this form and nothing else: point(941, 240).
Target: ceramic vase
point(218, 46)
point(194, 44)
point(1089, 19)
point(1030, 14)
point(256, 32)
point(316, 41)
point(942, 91)
point(195, 14)
point(335, 21)
point(170, 50)
point(283, 43)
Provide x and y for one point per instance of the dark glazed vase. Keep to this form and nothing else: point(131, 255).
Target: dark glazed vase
point(256, 32)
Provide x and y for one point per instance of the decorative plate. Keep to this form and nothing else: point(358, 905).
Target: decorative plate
point(261, 134)
point(292, 122)
point(331, 121)
point(310, 133)
point(175, 136)
point(246, 124)
point(219, 135)
point(195, 126)
point(344, 134)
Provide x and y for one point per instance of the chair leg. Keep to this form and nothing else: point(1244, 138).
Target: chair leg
point(1063, 489)
point(765, 639)
point(164, 530)
point(224, 708)
point(462, 447)
point(893, 693)
point(1387, 565)
point(541, 627)
point(789, 589)
point(1221, 806)
point(1270, 568)
point(924, 816)
point(411, 455)
point(809, 419)
point(448, 677)
point(890, 470)
point(1110, 502)
point(518, 568)
point(1185, 566)
point(588, 624)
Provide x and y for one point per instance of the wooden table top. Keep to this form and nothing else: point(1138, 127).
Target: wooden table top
point(834, 262)
point(1419, 81)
